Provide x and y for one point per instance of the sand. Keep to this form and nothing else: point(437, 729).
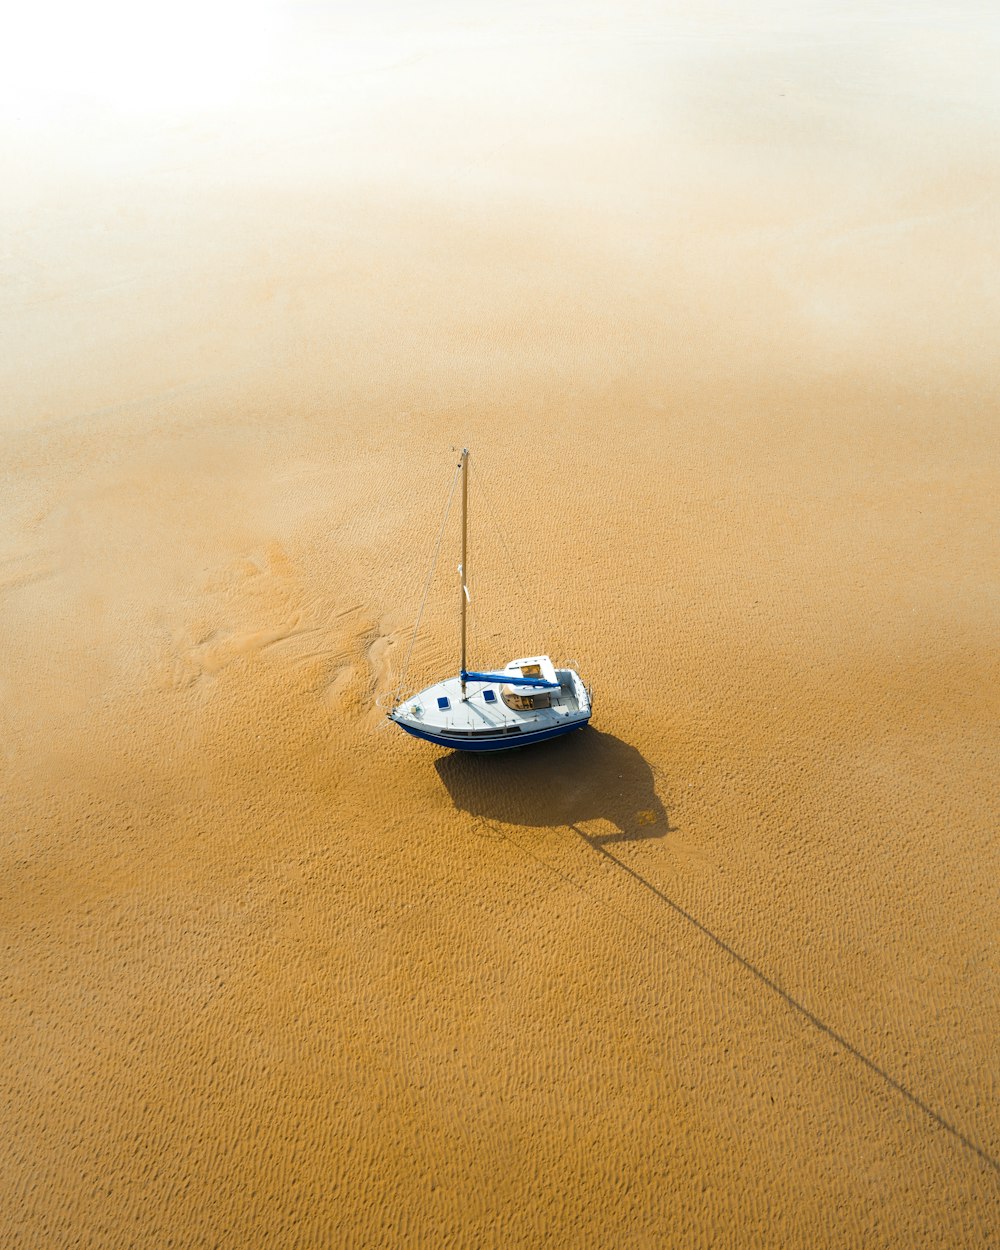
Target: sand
point(712, 297)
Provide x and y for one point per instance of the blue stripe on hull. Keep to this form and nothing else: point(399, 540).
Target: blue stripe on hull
point(495, 744)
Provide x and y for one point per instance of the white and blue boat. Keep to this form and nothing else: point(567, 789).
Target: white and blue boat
point(528, 700)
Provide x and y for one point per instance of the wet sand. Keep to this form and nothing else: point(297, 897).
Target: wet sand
point(713, 301)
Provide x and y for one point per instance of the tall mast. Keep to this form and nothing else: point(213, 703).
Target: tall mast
point(464, 592)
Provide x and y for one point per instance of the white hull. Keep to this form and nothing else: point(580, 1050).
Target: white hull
point(483, 720)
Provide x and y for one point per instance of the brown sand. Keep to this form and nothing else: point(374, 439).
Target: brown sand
point(714, 302)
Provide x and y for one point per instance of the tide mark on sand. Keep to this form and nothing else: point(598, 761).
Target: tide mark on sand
point(24, 570)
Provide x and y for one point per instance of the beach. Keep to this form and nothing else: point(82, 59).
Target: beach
point(711, 297)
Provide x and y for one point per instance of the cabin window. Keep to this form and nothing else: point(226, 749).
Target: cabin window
point(444, 703)
point(489, 696)
point(526, 702)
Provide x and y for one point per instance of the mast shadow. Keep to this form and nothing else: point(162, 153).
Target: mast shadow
point(797, 1006)
point(595, 776)
point(584, 776)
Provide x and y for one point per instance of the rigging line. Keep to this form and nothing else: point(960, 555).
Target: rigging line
point(794, 1003)
point(427, 584)
point(476, 633)
point(478, 628)
point(494, 521)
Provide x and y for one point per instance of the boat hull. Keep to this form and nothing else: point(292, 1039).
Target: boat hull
point(488, 712)
point(505, 743)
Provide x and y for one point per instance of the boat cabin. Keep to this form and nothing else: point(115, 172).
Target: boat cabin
point(522, 700)
point(528, 698)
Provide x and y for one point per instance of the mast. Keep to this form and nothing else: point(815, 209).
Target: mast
point(465, 554)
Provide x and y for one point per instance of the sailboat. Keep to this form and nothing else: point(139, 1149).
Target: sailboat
point(529, 700)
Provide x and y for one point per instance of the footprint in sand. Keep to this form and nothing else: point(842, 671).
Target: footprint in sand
point(335, 694)
point(380, 656)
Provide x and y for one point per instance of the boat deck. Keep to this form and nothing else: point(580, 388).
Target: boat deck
point(440, 709)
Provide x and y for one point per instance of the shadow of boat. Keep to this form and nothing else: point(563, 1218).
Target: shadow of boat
point(595, 776)
point(583, 777)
